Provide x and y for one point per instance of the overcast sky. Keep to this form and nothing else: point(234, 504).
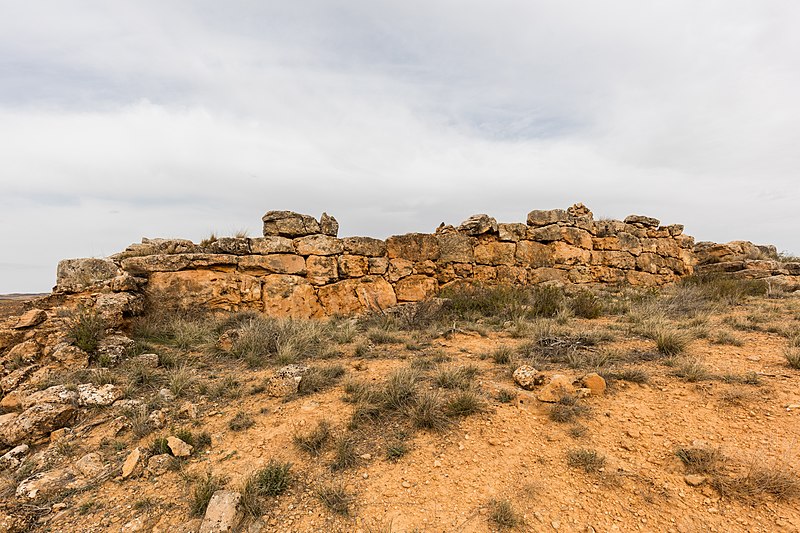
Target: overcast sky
point(123, 120)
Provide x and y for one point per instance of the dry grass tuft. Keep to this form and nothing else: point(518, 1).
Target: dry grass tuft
point(503, 515)
point(335, 498)
point(588, 460)
point(314, 441)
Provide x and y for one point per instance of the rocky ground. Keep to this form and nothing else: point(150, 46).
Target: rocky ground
point(494, 409)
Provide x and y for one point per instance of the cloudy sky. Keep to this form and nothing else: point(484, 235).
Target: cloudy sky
point(120, 120)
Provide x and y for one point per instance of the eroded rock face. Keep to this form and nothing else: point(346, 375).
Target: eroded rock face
point(478, 225)
point(34, 422)
point(75, 275)
point(289, 224)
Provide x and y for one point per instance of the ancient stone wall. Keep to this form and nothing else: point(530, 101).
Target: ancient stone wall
point(745, 260)
point(301, 268)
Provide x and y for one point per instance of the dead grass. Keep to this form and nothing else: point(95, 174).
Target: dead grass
point(317, 379)
point(588, 460)
point(241, 421)
point(314, 441)
point(269, 481)
point(701, 460)
point(776, 481)
point(503, 515)
point(335, 498)
point(567, 409)
point(202, 492)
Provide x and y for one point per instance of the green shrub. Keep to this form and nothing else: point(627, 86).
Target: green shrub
point(86, 329)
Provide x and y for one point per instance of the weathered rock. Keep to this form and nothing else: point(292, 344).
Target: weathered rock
point(131, 462)
point(159, 464)
point(321, 270)
point(512, 232)
point(580, 211)
point(12, 401)
point(289, 224)
point(694, 480)
point(271, 244)
point(26, 351)
point(415, 288)
point(228, 245)
point(549, 233)
point(35, 422)
point(113, 308)
point(90, 395)
point(76, 275)
point(31, 318)
point(178, 447)
point(13, 458)
point(90, 465)
point(558, 387)
point(114, 348)
point(364, 246)
point(290, 296)
point(413, 247)
point(205, 289)
point(353, 266)
point(495, 253)
point(70, 356)
point(46, 483)
point(355, 296)
point(273, 264)
point(328, 225)
point(60, 394)
point(478, 225)
point(147, 360)
point(538, 218)
point(455, 248)
point(528, 377)
point(318, 245)
point(643, 221)
point(223, 513)
point(286, 380)
point(533, 254)
point(595, 383)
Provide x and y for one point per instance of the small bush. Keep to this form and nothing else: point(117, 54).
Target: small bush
point(502, 355)
point(241, 421)
point(396, 449)
point(86, 329)
point(400, 389)
point(314, 441)
point(546, 301)
point(566, 409)
point(345, 453)
point(506, 395)
point(381, 336)
point(464, 403)
point(670, 341)
point(271, 480)
point(180, 380)
point(778, 482)
point(503, 515)
point(590, 461)
point(692, 371)
point(473, 301)
point(453, 377)
point(632, 375)
point(318, 379)
point(335, 498)
point(700, 460)
point(428, 413)
point(724, 337)
point(202, 492)
point(792, 354)
point(586, 305)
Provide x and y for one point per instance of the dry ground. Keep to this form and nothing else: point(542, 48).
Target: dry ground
point(687, 373)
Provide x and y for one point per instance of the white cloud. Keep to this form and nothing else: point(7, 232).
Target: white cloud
point(146, 119)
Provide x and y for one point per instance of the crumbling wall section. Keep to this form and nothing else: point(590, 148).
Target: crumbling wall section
point(300, 268)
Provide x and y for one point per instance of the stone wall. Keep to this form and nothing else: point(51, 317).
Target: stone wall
point(301, 268)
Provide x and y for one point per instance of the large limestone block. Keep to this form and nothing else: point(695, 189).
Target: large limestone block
point(364, 246)
point(318, 245)
point(484, 273)
point(176, 262)
point(290, 296)
point(192, 289)
point(328, 225)
point(565, 254)
point(321, 269)
point(644, 279)
point(224, 513)
point(228, 245)
point(606, 274)
point(353, 266)
point(478, 225)
point(613, 259)
point(608, 228)
point(354, 296)
point(75, 275)
point(413, 247)
point(549, 233)
point(577, 237)
point(534, 254)
point(512, 275)
point(34, 422)
point(289, 224)
point(271, 244)
point(643, 221)
point(30, 318)
point(455, 248)
point(378, 265)
point(537, 218)
point(512, 232)
point(159, 246)
point(399, 268)
point(272, 264)
point(667, 247)
point(415, 288)
point(495, 253)
point(542, 275)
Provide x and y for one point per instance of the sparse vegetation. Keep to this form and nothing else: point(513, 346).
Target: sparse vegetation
point(269, 481)
point(202, 492)
point(567, 409)
point(345, 454)
point(86, 330)
point(317, 379)
point(588, 460)
point(503, 515)
point(241, 421)
point(335, 498)
point(314, 441)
